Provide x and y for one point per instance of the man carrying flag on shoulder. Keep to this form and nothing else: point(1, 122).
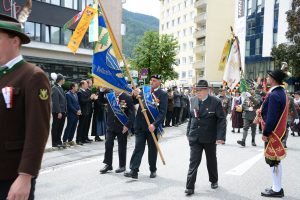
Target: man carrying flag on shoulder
point(157, 109)
point(273, 117)
point(120, 118)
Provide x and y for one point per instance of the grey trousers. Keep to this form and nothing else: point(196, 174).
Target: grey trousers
point(249, 124)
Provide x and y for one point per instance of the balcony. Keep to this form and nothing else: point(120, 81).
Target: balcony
point(200, 18)
point(199, 49)
point(200, 33)
point(200, 3)
point(199, 64)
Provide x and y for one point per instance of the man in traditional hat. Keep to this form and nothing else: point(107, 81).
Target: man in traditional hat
point(274, 115)
point(24, 114)
point(206, 128)
point(143, 131)
point(226, 103)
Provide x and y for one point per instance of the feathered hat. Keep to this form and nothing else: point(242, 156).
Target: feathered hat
point(14, 26)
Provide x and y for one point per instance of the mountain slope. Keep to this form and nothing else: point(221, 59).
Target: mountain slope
point(136, 25)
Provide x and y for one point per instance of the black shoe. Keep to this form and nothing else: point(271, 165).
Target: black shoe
point(79, 143)
point(233, 131)
point(120, 170)
point(105, 169)
point(293, 134)
point(254, 144)
point(189, 192)
point(241, 142)
point(131, 174)
point(87, 141)
point(214, 185)
point(272, 193)
point(152, 174)
point(98, 139)
point(239, 131)
point(284, 145)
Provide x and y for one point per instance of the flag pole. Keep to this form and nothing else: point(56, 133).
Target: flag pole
point(144, 111)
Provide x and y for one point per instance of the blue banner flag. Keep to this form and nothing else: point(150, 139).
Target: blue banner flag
point(106, 70)
point(151, 105)
point(115, 106)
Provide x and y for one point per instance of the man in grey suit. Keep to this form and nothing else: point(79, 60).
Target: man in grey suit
point(59, 109)
point(250, 105)
point(206, 128)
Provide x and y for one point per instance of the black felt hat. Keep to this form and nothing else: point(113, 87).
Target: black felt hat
point(278, 75)
point(202, 84)
point(156, 76)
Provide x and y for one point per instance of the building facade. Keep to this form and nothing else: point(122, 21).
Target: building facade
point(262, 24)
point(201, 27)
point(48, 48)
point(177, 19)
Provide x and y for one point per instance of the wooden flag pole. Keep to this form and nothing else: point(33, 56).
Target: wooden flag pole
point(144, 111)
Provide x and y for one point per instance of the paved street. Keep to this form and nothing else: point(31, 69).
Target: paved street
point(243, 174)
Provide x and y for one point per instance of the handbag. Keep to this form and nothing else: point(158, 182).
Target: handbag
point(239, 108)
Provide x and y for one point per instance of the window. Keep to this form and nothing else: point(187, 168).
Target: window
point(83, 4)
point(184, 32)
point(183, 74)
point(275, 39)
point(184, 18)
point(257, 46)
point(55, 2)
point(259, 6)
point(184, 46)
point(190, 74)
point(183, 60)
point(251, 27)
point(191, 59)
point(247, 48)
point(55, 35)
point(37, 32)
point(47, 34)
point(75, 5)
point(167, 25)
point(29, 29)
point(191, 30)
point(177, 61)
point(185, 4)
point(67, 36)
point(191, 45)
point(69, 3)
point(173, 23)
point(178, 20)
point(168, 12)
point(249, 7)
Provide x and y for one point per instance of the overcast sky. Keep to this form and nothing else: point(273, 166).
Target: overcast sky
point(148, 7)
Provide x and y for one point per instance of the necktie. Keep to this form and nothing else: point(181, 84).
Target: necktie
point(152, 90)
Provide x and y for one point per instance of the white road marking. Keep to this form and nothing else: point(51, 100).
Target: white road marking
point(245, 166)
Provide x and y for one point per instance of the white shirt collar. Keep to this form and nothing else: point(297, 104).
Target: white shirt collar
point(272, 88)
point(82, 89)
point(14, 61)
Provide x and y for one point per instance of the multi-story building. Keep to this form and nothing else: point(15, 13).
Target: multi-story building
point(201, 27)
point(213, 20)
point(262, 24)
point(177, 19)
point(48, 48)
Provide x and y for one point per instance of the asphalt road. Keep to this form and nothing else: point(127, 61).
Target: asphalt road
point(243, 174)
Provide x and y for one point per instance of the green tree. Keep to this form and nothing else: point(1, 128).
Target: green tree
point(290, 52)
point(157, 54)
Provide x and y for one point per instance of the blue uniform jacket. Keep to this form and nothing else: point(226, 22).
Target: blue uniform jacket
point(272, 109)
point(72, 103)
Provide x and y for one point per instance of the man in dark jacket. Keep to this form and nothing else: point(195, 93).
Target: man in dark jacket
point(59, 110)
point(206, 127)
point(177, 105)
point(84, 98)
point(74, 112)
point(116, 129)
point(143, 131)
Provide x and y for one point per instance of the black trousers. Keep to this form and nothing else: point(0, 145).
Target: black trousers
point(57, 128)
point(122, 147)
point(140, 143)
point(5, 186)
point(83, 127)
point(176, 113)
point(169, 117)
point(195, 159)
